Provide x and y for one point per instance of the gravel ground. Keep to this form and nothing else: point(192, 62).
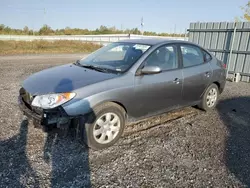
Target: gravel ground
point(185, 148)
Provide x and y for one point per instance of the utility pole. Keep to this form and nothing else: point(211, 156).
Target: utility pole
point(142, 24)
point(174, 30)
point(185, 34)
point(44, 12)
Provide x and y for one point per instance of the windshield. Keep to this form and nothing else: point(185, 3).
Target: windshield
point(117, 57)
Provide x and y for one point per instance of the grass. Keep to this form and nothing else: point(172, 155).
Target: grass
point(40, 46)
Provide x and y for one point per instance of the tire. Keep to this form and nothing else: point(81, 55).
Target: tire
point(204, 105)
point(97, 122)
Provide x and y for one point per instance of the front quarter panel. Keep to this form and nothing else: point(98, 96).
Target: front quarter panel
point(120, 90)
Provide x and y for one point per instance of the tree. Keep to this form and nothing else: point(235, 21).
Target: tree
point(103, 28)
point(26, 30)
point(2, 26)
point(7, 30)
point(67, 31)
point(246, 13)
point(31, 32)
point(135, 31)
point(45, 30)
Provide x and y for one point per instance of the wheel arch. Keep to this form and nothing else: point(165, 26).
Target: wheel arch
point(114, 102)
point(120, 104)
point(218, 85)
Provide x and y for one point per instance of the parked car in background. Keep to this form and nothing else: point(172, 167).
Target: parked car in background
point(126, 80)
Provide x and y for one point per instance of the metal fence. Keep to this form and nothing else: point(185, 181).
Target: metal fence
point(228, 41)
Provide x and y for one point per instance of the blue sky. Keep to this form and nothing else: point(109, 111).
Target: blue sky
point(159, 15)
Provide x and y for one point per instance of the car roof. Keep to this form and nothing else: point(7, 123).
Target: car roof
point(154, 41)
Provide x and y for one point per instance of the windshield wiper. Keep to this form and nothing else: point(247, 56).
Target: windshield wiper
point(78, 63)
point(85, 65)
point(100, 69)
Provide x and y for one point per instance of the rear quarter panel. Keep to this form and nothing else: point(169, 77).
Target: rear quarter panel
point(219, 73)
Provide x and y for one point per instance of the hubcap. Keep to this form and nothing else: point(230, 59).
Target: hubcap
point(211, 97)
point(106, 128)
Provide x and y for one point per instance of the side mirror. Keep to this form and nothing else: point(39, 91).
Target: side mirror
point(150, 70)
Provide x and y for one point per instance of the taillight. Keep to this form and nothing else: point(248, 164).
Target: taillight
point(223, 64)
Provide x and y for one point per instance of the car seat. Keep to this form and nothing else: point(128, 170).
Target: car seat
point(166, 59)
point(132, 55)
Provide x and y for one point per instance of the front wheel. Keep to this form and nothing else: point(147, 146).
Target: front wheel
point(104, 126)
point(210, 98)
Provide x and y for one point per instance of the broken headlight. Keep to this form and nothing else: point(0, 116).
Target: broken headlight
point(52, 100)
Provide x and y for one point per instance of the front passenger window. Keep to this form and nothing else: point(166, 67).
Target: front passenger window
point(164, 57)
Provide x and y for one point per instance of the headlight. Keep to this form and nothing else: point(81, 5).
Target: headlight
point(52, 100)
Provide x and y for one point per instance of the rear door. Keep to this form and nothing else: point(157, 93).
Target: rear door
point(161, 91)
point(196, 72)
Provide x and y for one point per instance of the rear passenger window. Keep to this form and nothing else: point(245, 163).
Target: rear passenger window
point(191, 55)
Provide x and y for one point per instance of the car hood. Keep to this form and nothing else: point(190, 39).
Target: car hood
point(63, 78)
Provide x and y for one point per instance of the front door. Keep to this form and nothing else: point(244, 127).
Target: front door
point(162, 91)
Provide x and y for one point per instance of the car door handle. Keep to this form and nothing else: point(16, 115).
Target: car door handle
point(207, 74)
point(176, 80)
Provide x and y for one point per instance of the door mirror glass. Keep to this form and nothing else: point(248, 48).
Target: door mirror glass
point(151, 70)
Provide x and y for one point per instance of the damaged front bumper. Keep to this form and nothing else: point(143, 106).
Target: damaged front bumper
point(45, 119)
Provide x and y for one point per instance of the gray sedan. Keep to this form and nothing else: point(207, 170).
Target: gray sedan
point(121, 82)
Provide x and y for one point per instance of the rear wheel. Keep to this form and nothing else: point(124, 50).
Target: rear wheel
point(104, 126)
point(210, 98)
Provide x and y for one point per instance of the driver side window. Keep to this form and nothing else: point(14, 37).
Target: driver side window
point(164, 57)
